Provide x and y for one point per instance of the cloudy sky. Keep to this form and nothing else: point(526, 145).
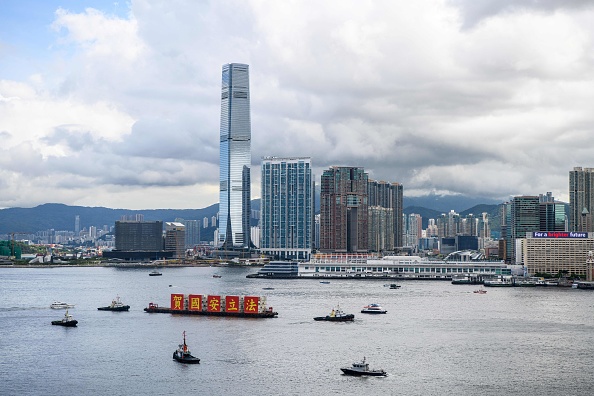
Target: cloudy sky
point(117, 104)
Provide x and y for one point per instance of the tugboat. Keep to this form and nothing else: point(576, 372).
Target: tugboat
point(362, 368)
point(182, 354)
point(116, 305)
point(373, 309)
point(337, 315)
point(66, 321)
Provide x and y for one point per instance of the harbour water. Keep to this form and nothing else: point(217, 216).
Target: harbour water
point(436, 339)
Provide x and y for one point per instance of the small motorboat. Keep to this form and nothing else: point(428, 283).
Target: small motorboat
point(362, 368)
point(337, 315)
point(480, 291)
point(66, 321)
point(325, 282)
point(155, 273)
point(373, 309)
point(182, 354)
point(61, 305)
point(216, 276)
point(394, 286)
point(116, 305)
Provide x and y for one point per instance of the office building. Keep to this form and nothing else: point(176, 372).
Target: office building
point(344, 210)
point(287, 208)
point(175, 239)
point(525, 218)
point(581, 199)
point(557, 253)
point(138, 241)
point(235, 158)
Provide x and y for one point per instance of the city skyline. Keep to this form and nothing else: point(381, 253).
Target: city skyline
point(116, 104)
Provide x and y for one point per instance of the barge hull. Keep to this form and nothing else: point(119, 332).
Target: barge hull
point(267, 314)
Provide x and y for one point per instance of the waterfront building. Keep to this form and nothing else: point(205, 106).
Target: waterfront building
point(138, 240)
point(139, 235)
point(344, 210)
point(287, 208)
point(557, 252)
point(235, 158)
point(175, 239)
point(412, 267)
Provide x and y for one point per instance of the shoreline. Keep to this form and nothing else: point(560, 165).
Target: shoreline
point(124, 265)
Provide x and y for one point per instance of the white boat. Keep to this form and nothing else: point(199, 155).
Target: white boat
point(61, 305)
point(373, 309)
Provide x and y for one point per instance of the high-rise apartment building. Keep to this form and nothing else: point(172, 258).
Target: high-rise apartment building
point(287, 208)
point(344, 210)
point(390, 196)
point(581, 199)
point(235, 158)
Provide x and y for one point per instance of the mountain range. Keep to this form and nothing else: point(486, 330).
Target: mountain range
point(61, 217)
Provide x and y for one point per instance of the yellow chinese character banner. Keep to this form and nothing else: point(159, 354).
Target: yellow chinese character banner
point(177, 302)
point(231, 303)
point(195, 302)
point(213, 303)
point(250, 304)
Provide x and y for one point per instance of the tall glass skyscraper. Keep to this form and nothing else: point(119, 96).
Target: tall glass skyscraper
point(287, 208)
point(235, 158)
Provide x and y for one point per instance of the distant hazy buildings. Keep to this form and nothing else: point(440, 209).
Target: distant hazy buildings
point(344, 210)
point(287, 208)
point(192, 231)
point(235, 158)
point(581, 199)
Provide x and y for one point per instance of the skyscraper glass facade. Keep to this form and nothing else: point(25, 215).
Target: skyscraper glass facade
point(235, 157)
point(287, 208)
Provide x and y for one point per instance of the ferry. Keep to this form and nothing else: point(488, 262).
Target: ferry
point(373, 309)
point(278, 269)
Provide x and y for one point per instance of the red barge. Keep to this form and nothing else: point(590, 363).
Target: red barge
point(234, 306)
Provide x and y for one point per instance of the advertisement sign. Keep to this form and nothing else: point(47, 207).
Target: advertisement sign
point(559, 234)
point(250, 304)
point(231, 303)
point(213, 303)
point(195, 302)
point(177, 302)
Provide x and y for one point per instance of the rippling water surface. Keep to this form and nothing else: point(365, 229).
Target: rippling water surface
point(436, 339)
